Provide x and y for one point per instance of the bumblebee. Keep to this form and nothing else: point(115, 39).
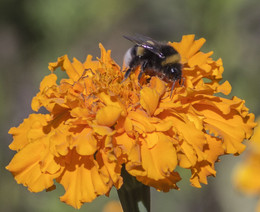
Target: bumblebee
point(154, 58)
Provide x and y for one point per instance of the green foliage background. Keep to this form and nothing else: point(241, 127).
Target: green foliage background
point(34, 32)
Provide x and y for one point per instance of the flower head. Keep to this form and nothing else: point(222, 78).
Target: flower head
point(97, 123)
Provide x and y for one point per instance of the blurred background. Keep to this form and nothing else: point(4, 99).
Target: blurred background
point(34, 33)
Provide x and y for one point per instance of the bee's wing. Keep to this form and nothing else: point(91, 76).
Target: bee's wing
point(147, 43)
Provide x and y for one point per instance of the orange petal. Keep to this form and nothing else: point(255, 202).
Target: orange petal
point(140, 122)
point(105, 55)
point(86, 144)
point(28, 131)
point(232, 128)
point(108, 100)
point(199, 58)
point(48, 81)
point(106, 59)
point(26, 167)
point(102, 130)
point(66, 65)
point(78, 66)
point(163, 125)
point(79, 112)
point(49, 165)
point(108, 115)
point(189, 158)
point(149, 99)
point(246, 176)
point(151, 139)
point(157, 166)
point(158, 85)
point(200, 173)
point(109, 168)
point(224, 88)
point(203, 169)
point(113, 206)
point(124, 142)
point(193, 138)
point(188, 46)
point(128, 125)
point(82, 181)
point(58, 142)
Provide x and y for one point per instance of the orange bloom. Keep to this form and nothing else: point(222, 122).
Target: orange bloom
point(247, 173)
point(96, 124)
point(113, 206)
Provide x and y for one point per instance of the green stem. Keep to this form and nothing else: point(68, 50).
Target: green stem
point(132, 192)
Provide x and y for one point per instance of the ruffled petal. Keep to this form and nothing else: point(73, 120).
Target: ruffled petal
point(232, 127)
point(86, 143)
point(149, 99)
point(81, 180)
point(66, 65)
point(108, 115)
point(157, 168)
point(30, 130)
point(28, 167)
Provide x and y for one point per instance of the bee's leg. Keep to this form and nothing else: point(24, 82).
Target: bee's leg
point(173, 84)
point(143, 67)
point(140, 75)
point(181, 81)
point(127, 73)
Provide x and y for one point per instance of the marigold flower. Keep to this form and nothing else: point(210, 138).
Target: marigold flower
point(247, 173)
point(113, 206)
point(97, 124)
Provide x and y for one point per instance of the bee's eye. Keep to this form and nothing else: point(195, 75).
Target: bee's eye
point(173, 70)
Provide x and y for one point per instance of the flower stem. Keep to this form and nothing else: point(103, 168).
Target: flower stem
point(132, 192)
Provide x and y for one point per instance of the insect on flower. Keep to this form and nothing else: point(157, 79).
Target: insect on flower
point(100, 133)
point(155, 59)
